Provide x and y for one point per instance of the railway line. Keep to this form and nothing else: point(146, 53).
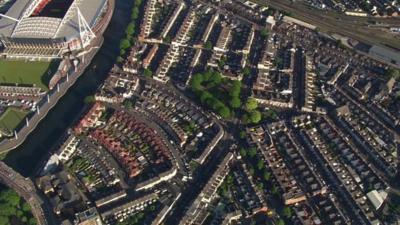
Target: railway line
point(356, 27)
point(25, 188)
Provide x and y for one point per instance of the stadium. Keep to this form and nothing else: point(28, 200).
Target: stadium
point(50, 29)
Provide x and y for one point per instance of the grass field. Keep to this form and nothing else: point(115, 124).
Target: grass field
point(11, 118)
point(27, 73)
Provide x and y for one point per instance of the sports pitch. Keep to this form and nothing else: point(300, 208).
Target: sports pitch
point(27, 73)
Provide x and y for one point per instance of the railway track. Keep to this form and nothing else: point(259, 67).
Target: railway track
point(356, 28)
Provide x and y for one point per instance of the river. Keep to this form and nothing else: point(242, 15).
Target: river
point(39, 143)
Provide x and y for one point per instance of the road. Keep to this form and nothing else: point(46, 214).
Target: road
point(41, 209)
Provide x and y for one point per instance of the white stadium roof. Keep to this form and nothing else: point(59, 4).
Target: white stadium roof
point(47, 27)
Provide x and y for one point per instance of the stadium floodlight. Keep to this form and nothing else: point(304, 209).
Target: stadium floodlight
point(9, 17)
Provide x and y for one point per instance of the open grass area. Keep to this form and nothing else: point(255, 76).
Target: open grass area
point(11, 118)
point(27, 73)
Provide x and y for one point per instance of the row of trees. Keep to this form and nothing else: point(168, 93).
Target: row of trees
point(13, 210)
point(130, 31)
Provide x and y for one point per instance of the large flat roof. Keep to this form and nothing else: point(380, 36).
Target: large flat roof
point(29, 27)
point(16, 11)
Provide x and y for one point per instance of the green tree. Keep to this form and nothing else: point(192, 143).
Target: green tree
point(251, 104)
point(32, 221)
point(264, 32)
point(222, 62)
point(275, 190)
point(246, 71)
point(167, 39)
point(229, 179)
point(280, 222)
point(252, 152)
point(242, 134)
point(135, 13)
point(122, 52)
point(204, 96)
point(124, 44)
point(130, 29)
point(393, 73)
point(251, 170)
point(287, 212)
point(138, 3)
point(267, 175)
point(235, 103)
point(120, 59)
point(255, 116)
point(215, 79)
point(4, 220)
point(277, 62)
point(89, 99)
point(260, 164)
point(243, 152)
point(147, 73)
point(128, 104)
point(24, 219)
point(208, 45)
point(246, 118)
point(224, 112)
point(235, 89)
point(196, 81)
point(270, 115)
